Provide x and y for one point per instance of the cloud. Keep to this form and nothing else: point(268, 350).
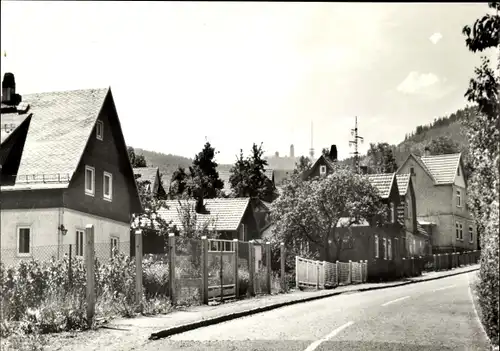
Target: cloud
point(416, 82)
point(436, 37)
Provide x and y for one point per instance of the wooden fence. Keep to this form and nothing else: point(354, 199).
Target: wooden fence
point(322, 274)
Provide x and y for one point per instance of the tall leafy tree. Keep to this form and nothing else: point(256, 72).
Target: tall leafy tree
point(136, 160)
point(381, 158)
point(304, 164)
point(484, 184)
point(248, 177)
point(178, 183)
point(205, 168)
point(443, 145)
point(311, 211)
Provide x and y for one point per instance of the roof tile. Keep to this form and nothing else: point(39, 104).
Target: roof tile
point(403, 181)
point(383, 183)
point(225, 213)
point(443, 168)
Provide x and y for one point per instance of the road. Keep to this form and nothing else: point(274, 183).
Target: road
point(433, 315)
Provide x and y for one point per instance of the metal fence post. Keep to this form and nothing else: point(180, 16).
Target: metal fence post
point(251, 268)
point(296, 272)
point(204, 269)
point(268, 264)
point(138, 266)
point(283, 258)
point(171, 267)
point(317, 276)
point(236, 279)
point(90, 266)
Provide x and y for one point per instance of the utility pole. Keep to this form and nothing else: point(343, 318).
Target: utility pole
point(357, 139)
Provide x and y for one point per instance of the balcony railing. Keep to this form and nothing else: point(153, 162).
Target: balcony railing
point(53, 178)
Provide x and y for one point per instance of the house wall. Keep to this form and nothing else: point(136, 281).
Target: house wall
point(430, 199)
point(30, 199)
point(103, 155)
point(46, 238)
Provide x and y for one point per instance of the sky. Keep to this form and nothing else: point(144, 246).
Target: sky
point(235, 73)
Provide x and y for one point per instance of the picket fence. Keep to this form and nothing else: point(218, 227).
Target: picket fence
point(322, 274)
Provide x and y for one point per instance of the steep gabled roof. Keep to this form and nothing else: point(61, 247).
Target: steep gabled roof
point(443, 168)
point(420, 163)
point(329, 164)
point(225, 214)
point(403, 182)
point(148, 174)
point(383, 183)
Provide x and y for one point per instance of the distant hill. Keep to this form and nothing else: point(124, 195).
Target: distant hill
point(416, 140)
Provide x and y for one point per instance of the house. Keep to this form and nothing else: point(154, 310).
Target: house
point(64, 164)
point(323, 166)
point(417, 240)
point(441, 200)
point(151, 175)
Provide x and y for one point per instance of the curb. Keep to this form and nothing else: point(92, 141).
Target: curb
point(216, 320)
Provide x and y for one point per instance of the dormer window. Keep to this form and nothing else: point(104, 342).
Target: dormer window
point(99, 130)
point(322, 170)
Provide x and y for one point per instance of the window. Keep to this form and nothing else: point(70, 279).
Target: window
point(389, 248)
point(393, 219)
point(458, 171)
point(471, 234)
point(242, 232)
point(89, 180)
point(107, 187)
point(459, 230)
point(99, 130)
point(79, 243)
point(24, 241)
point(408, 205)
point(114, 244)
point(384, 245)
point(459, 198)
point(322, 170)
point(376, 247)
point(412, 171)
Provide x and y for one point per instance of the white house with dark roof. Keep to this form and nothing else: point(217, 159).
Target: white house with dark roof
point(64, 164)
point(441, 200)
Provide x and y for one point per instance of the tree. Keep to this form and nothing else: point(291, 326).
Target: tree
point(178, 183)
point(381, 158)
point(443, 145)
point(149, 220)
point(311, 211)
point(205, 168)
point(136, 160)
point(304, 164)
point(248, 178)
point(484, 185)
point(325, 152)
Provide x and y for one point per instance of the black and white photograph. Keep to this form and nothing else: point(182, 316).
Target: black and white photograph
point(249, 176)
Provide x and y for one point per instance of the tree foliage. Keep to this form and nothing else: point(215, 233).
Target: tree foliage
point(443, 145)
point(381, 158)
point(304, 164)
point(248, 178)
point(484, 185)
point(201, 180)
point(311, 211)
point(136, 160)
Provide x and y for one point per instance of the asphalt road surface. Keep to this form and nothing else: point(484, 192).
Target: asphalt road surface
point(433, 315)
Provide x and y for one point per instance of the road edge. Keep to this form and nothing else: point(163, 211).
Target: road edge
point(224, 318)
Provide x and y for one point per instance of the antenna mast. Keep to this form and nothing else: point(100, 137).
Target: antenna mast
point(311, 150)
point(357, 139)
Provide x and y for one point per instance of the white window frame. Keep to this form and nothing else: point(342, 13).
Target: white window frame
point(471, 234)
point(90, 192)
point(108, 197)
point(459, 230)
point(389, 248)
point(99, 126)
point(114, 241)
point(384, 244)
point(80, 244)
point(322, 169)
point(377, 247)
point(459, 198)
point(18, 233)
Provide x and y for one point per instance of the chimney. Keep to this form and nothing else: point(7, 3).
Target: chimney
point(292, 151)
point(427, 151)
point(9, 96)
point(333, 153)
